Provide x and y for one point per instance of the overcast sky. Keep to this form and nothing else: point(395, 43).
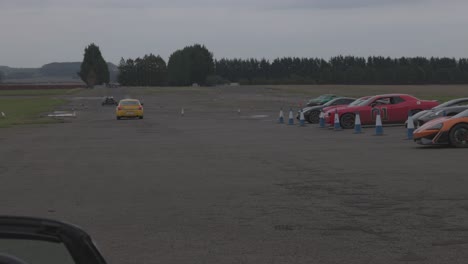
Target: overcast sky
point(35, 32)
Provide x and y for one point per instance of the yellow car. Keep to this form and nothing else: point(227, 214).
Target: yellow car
point(129, 108)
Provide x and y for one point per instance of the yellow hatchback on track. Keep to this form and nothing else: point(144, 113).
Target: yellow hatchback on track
point(129, 108)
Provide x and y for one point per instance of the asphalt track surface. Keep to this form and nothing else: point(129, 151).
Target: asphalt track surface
point(216, 186)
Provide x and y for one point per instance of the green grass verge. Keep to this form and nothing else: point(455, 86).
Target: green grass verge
point(21, 111)
point(39, 92)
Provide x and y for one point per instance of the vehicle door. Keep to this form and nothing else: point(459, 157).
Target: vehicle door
point(380, 105)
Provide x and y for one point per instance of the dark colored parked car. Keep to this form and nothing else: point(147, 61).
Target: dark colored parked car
point(109, 100)
point(312, 113)
point(449, 108)
point(26, 240)
point(321, 99)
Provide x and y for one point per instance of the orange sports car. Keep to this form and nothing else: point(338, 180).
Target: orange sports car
point(444, 131)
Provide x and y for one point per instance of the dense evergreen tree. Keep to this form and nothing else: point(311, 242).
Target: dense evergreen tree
point(150, 70)
point(344, 70)
point(94, 69)
point(192, 64)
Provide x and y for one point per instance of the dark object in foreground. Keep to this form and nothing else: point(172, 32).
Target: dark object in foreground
point(27, 240)
point(109, 100)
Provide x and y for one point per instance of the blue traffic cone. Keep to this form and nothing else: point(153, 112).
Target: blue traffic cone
point(357, 124)
point(337, 125)
point(291, 118)
point(410, 126)
point(322, 119)
point(281, 117)
point(302, 118)
point(378, 125)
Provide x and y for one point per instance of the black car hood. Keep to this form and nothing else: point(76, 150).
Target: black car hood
point(78, 242)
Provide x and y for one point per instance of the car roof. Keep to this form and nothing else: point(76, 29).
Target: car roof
point(394, 94)
point(129, 100)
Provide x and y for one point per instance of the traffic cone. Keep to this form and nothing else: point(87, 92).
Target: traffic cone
point(302, 118)
point(322, 119)
point(357, 124)
point(378, 125)
point(291, 118)
point(337, 125)
point(410, 126)
point(281, 117)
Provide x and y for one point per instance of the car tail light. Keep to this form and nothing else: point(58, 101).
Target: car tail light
point(140, 107)
point(119, 108)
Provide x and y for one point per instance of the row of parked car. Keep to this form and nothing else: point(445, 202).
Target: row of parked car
point(393, 108)
point(438, 124)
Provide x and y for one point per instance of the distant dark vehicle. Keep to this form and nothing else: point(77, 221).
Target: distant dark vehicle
point(449, 108)
point(321, 99)
point(109, 100)
point(26, 240)
point(312, 113)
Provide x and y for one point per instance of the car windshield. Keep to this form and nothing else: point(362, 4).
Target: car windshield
point(358, 102)
point(461, 114)
point(35, 251)
point(129, 103)
point(331, 102)
point(368, 101)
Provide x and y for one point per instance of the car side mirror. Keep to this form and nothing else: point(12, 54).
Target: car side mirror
point(142, 103)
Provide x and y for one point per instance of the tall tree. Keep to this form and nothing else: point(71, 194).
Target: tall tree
point(190, 65)
point(2, 76)
point(150, 70)
point(94, 69)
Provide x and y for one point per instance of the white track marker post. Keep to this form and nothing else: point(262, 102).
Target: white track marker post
point(302, 118)
point(281, 117)
point(337, 126)
point(291, 118)
point(410, 126)
point(378, 125)
point(182, 112)
point(322, 119)
point(357, 124)
point(3, 115)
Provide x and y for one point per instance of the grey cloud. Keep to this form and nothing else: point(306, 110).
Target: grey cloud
point(263, 4)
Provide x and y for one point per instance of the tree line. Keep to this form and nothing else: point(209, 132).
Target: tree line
point(195, 64)
point(192, 64)
point(345, 70)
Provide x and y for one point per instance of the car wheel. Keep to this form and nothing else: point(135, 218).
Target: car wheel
point(459, 136)
point(140, 117)
point(118, 118)
point(314, 117)
point(347, 121)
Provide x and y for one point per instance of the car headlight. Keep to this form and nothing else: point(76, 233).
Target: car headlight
point(436, 127)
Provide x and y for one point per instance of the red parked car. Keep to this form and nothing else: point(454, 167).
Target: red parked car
point(393, 108)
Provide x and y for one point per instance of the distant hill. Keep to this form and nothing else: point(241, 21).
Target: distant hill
point(51, 72)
